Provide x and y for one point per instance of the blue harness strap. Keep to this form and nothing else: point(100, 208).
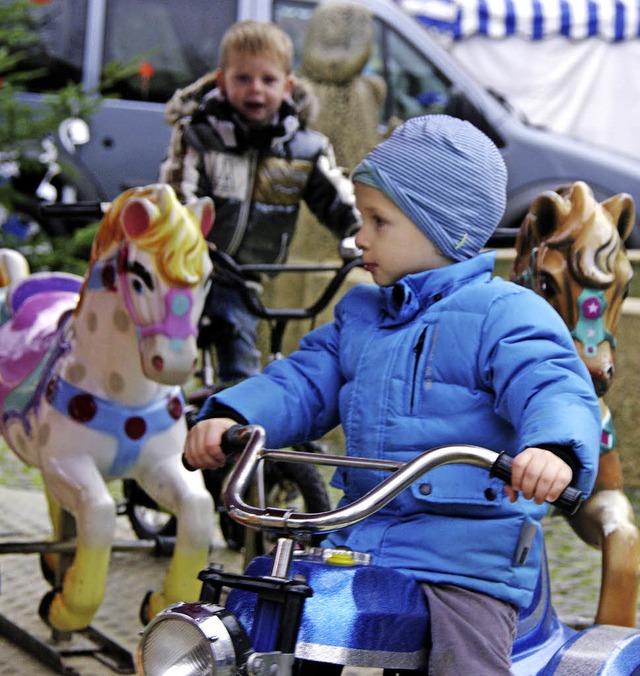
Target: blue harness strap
point(590, 329)
point(608, 436)
point(131, 426)
point(103, 274)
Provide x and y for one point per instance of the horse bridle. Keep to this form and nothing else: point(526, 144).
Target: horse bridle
point(589, 329)
point(176, 324)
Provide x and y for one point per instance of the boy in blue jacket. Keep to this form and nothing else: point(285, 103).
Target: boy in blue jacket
point(437, 353)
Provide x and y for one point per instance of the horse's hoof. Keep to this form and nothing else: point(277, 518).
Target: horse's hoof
point(45, 606)
point(145, 609)
point(48, 565)
point(55, 615)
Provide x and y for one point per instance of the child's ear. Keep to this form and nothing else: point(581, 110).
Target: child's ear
point(220, 80)
point(289, 86)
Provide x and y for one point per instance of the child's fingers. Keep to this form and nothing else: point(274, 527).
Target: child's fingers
point(560, 481)
point(511, 494)
point(540, 475)
point(202, 446)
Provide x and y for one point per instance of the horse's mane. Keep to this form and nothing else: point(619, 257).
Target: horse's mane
point(175, 238)
point(594, 263)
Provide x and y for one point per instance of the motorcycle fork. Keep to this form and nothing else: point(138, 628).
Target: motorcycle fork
point(279, 604)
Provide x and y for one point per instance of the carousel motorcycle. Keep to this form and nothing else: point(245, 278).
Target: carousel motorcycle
point(294, 611)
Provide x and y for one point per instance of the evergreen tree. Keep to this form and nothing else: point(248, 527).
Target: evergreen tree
point(23, 127)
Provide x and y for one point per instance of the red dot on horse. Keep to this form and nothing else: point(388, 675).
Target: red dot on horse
point(135, 427)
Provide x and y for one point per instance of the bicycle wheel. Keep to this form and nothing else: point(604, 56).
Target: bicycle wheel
point(148, 520)
point(294, 485)
point(146, 517)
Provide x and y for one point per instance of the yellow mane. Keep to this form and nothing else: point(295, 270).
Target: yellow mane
point(175, 237)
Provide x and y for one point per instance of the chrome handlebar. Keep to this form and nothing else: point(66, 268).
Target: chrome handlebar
point(287, 521)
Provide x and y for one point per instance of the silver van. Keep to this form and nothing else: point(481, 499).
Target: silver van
point(173, 42)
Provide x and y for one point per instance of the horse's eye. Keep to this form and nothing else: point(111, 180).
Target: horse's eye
point(140, 277)
point(547, 286)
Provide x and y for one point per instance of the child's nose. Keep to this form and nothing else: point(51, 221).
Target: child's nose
point(360, 239)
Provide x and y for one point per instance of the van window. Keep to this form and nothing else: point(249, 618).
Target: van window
point(171, 46)
point(293, 17)
point(414, 86)
point(58, 52)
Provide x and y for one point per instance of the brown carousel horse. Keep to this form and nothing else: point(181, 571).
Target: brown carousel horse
point(570, 250)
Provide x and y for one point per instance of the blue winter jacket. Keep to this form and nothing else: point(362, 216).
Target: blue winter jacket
point(447, 356)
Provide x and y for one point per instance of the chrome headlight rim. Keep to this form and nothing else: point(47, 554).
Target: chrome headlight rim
point(215, 642)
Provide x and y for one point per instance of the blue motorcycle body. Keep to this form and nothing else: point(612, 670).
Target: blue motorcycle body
point(369, 616)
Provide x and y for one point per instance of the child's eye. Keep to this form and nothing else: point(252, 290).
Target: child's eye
point(269, 80)
point(378, 221)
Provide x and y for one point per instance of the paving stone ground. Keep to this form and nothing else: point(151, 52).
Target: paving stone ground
point(575, 578)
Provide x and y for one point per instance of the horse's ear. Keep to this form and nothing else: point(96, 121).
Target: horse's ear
point(545, 212)
point(622, 209)
point(204, 211)
point(137, 216)
point(538, 224)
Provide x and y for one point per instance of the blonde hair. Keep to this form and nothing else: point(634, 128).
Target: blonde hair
point(257, 37)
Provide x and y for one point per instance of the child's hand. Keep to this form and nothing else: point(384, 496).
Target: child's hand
point(539, 474)
point(202, 447)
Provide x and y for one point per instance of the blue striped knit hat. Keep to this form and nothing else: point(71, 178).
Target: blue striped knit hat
point(446, 176)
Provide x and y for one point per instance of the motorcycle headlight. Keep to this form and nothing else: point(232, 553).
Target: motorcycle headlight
point(193, 639)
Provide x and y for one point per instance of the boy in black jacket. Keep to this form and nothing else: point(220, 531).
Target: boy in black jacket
point(246, 148)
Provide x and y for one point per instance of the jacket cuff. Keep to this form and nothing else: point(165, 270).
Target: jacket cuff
point(214, 409)
point(565, 453)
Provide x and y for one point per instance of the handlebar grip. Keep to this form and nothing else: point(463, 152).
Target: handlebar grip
point(73, 210)
point(233, 441)
point(187, 465)
point(569, 501)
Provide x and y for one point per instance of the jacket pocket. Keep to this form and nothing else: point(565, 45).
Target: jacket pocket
point(455, 487)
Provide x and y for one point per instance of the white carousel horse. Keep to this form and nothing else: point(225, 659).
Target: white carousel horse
point(90, 374)
point(13, 266)
point(570, 250)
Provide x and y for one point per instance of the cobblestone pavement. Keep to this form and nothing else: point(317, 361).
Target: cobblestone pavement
point(575, 575)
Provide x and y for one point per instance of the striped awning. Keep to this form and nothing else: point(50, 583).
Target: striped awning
point(611, 20)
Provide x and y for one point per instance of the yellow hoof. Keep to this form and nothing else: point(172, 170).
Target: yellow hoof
point(57, 615)
point(152, 604)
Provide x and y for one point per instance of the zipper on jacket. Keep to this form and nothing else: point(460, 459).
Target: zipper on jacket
point(282, 253)
point(243, 216)
point(417, 351)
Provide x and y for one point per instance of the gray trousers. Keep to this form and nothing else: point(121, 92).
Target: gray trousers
point(472, 633)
